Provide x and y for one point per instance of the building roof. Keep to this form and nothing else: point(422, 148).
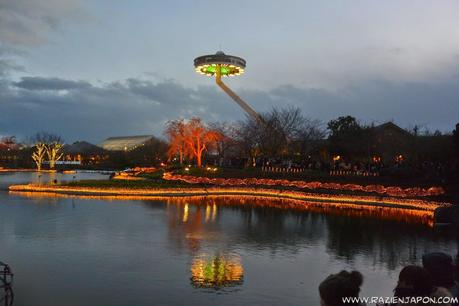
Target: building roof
point(391, 126)
point(125, 143)
point(79, 147)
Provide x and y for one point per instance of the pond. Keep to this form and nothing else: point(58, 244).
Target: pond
point(198, 250)
point(9, 178)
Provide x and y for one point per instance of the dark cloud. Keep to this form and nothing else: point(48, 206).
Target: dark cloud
point(134, 106)
point(40, 83)
point(167, 92)
point(93, 113)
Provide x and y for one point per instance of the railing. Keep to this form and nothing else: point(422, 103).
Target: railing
point(351, 172)
point(282, 169)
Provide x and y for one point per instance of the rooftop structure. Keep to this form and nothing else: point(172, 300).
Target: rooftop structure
point(82, 147)
point(126, 143)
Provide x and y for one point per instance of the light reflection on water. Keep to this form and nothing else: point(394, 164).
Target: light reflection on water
point(175, 251)
point(217, 271)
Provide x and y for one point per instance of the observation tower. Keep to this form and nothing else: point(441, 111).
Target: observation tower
point(223, 65)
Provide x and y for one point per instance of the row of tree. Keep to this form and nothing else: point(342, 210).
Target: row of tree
point(281, 133)
point(288, 134)
point(47, 146)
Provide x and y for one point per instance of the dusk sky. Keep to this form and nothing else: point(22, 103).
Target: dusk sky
point(88, 70)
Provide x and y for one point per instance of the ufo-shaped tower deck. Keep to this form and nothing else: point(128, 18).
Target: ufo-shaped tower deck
point(223, 65)
point(230, 65)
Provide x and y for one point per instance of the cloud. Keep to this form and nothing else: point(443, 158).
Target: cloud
point(41, 83)
point(80, 111)
point(6, 66)
point(7, 62)
point(95, 112)
point(25, 23)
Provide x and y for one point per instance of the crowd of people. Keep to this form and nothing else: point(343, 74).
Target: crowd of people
point(433, 283)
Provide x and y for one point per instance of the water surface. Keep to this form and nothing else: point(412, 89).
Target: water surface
point(10, 178)
point(198, 251)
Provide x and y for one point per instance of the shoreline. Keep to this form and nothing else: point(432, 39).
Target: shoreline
point(7, 170)
point(323, 198)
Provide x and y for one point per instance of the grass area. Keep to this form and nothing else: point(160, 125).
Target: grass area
point(146, 184)
point(158, 175)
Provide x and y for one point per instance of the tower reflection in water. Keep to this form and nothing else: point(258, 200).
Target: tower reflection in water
point(216, 271)
point(214, 268)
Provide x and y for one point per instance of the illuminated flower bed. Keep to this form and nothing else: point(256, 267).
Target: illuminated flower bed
point(379, 189)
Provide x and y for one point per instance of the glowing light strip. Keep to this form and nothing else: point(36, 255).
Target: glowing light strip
point(379, 189)
point(353, 210)
point(298, 195)
point(227, 70)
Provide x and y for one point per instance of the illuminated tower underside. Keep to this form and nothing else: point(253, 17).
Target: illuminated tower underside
point(222, 65)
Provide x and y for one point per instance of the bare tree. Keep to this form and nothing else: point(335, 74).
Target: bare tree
point(248, 135)
point(226, 142)
point(275, 136)
point(52, 144)
point(308, 138)
point(53, 151)
point(45, 137)
point(282, 127)
point(38, 155)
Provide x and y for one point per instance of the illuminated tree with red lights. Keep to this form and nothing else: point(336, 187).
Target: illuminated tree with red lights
point(175, 132)
point(199, 138)
point(190, 138)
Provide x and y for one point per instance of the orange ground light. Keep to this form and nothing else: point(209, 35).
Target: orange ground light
point(379, 189)
point(383, 207)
